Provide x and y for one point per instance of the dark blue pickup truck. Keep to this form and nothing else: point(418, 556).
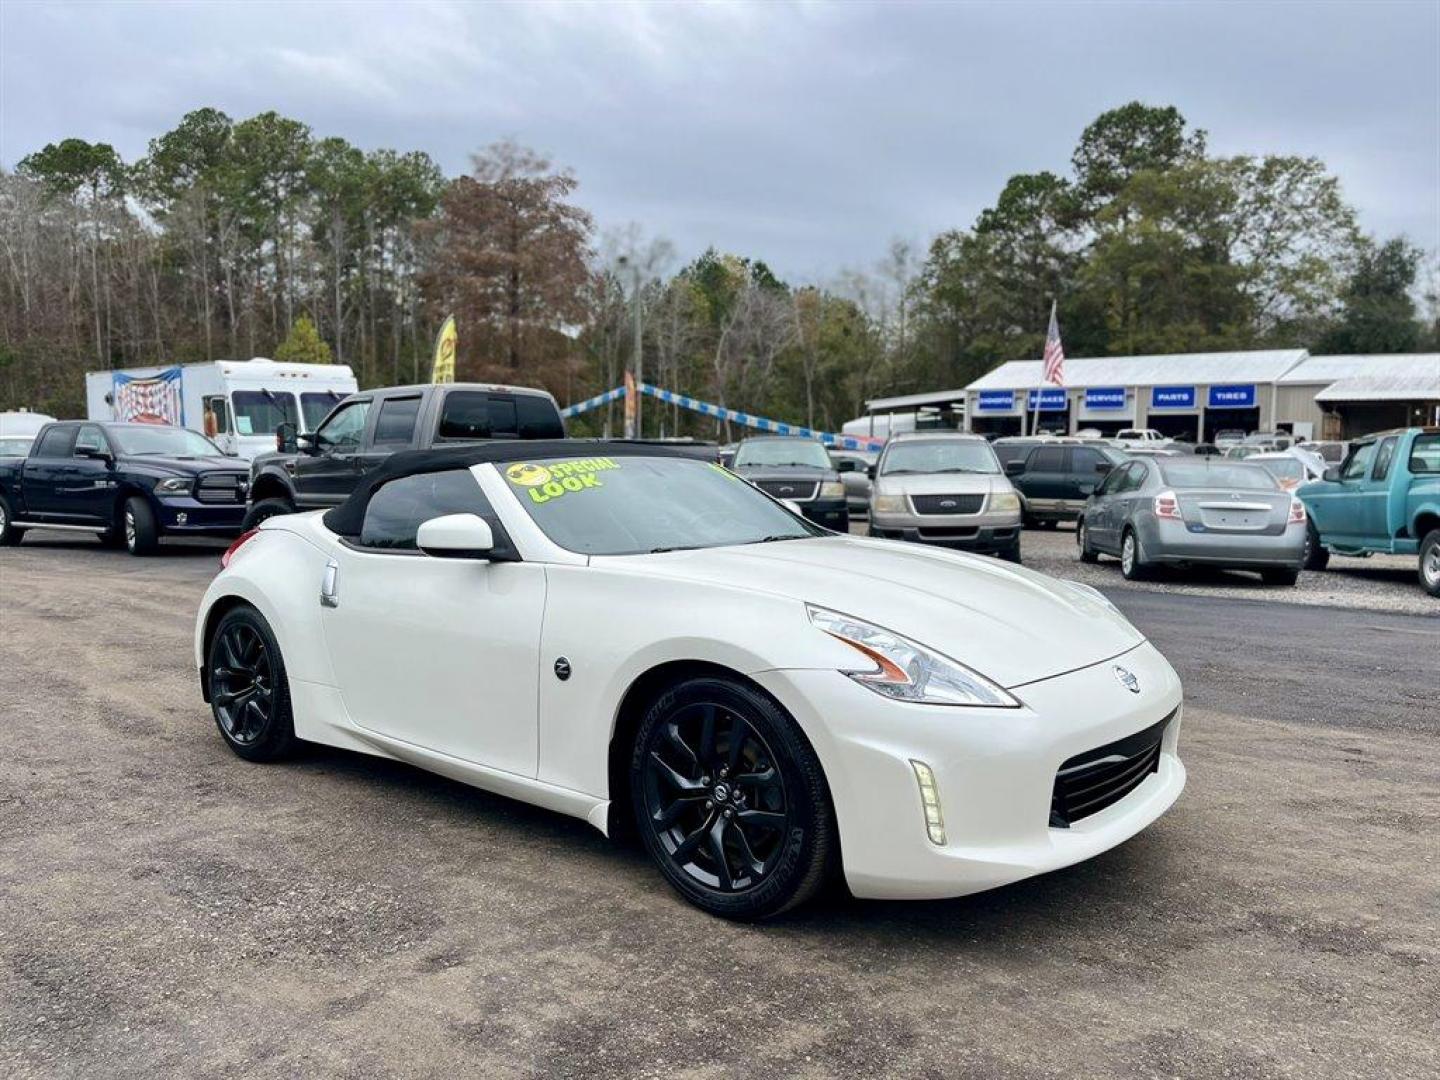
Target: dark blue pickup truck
point(130, 483)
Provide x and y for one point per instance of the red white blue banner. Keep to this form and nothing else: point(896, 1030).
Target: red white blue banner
point(154, 399)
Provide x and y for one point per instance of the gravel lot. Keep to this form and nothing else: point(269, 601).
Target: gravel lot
point(170, 910)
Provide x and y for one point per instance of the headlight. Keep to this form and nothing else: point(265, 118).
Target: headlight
point(888, 504)
point(175, 485)
point(906, 671)
point(832, 489)
point(1003, 501)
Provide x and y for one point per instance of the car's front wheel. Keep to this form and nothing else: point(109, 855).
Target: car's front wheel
point(9, 534)
point(249, 691)
point(730, 799)
point(266, 508)
point(137, 525)
point(1317, 556)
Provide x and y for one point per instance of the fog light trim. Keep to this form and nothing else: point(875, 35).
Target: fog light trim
point(930, 800)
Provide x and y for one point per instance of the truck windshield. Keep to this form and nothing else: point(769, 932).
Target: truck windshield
point(137, 439)
point(315, 405)
point(788, 451)
point(630, 505)
point(939, 456)
point(260, 412)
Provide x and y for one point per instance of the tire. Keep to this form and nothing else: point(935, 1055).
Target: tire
point(776, 832)
point(1280, 575)
point(1082, 541)
point(138, 530)
point(1012, 553)
point(249, 690)
point(1429, 566)
point(1317, 556)
point(265, 508)
point(9, 534)
point(1132, 565)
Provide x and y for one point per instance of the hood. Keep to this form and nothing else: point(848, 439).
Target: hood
point(942, 484)
point(1012, 625)
point(185, 466)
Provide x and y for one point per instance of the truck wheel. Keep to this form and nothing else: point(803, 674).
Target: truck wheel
point(1430, 562)
point(142, 536)
point(9, 534)
point(266, 508)
point(1317, 556)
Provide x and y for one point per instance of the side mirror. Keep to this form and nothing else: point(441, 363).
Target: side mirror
point(96, 455)
point(286, 441)
point(1332, 474)
point(870, 471)
point(1014, 468)
point(1104, 467)
point(456, 536)
point(845, 465)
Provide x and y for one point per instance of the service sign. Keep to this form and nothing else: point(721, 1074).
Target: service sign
point(1105, 397)
point(1172, 397)
point(1047, 400)
point(1232, 397)
point(996, 401)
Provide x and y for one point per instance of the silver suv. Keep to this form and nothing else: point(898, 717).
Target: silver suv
point(945, 488)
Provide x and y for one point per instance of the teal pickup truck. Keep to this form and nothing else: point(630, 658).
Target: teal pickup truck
point(1384, 497)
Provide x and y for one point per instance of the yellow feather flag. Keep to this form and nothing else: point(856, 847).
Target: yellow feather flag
point(445, 344)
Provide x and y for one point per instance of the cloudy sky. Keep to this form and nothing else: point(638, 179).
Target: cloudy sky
point(808, 135)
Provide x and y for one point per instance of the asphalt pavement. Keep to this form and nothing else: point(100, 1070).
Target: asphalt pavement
point(167, 909)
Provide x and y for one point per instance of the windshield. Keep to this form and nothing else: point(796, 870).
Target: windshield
point(629, 505)
point(1220, 474)
point(315, 405)
point(939, 456)
point(260, 412)
point(782, 452)
point(15, 446)
point(1283, 468)
point(169, 441)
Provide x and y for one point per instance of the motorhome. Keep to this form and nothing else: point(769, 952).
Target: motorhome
point(237, 403)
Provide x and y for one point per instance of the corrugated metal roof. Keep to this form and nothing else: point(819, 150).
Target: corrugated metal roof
point(1327, 369)
point(913, 401)
point(1258, 366)
point(1413, 385)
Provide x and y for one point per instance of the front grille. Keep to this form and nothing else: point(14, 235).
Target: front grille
point(224, 488)
point(798, 490)
point(947, 504)
point(1087, 783)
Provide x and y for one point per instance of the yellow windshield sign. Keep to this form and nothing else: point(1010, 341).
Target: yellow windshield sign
point(556, 478)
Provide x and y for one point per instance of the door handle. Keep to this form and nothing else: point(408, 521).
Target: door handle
point(328, 585)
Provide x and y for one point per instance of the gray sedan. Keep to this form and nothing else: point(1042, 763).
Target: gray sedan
point(1194, 511)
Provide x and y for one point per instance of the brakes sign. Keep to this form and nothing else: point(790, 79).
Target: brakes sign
point(545, 482)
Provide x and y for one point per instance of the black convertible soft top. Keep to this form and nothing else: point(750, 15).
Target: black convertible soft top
point(346, 519)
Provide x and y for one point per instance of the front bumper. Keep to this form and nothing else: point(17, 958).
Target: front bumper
point(983, 535)
point(1174, 542)
point(994, 769)
point(189, 517)
point(832, 513)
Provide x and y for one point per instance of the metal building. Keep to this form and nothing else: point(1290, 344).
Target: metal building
point(1344, 396)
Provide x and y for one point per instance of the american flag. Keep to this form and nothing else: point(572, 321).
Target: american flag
point(1054, 352)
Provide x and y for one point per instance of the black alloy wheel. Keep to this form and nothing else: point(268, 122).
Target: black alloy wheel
point(249, 694)
point(730, 800)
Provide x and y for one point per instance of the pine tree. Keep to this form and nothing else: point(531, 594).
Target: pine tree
point(303, 346)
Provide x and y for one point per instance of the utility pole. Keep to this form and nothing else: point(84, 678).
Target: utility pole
point(637, 365)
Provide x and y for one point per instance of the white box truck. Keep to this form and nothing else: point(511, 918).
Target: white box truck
point(238, 403)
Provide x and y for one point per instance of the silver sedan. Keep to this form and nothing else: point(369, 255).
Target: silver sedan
point(1195, 511)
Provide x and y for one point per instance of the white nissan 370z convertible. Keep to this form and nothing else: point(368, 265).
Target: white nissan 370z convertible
point(622, 632)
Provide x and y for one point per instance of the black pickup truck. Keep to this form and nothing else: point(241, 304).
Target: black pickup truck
point(319, 470)
point(129, 483)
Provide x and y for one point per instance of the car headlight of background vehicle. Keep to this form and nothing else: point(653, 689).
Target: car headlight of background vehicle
point(905, 670)
point(832, 489)
point(1005, 501)
point(173, 485)
point(889, 504)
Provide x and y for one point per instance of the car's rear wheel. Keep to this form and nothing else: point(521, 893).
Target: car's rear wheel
point(1430, 562)
point(249, 691)
point(266, 508)
point(9, 534)
point(1082, 540)
point(1317, 556)
point(730, 799)
point(137, 525)
point(1132, 558)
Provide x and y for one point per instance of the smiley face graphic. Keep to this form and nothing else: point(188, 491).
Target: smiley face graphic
point(524, 474)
